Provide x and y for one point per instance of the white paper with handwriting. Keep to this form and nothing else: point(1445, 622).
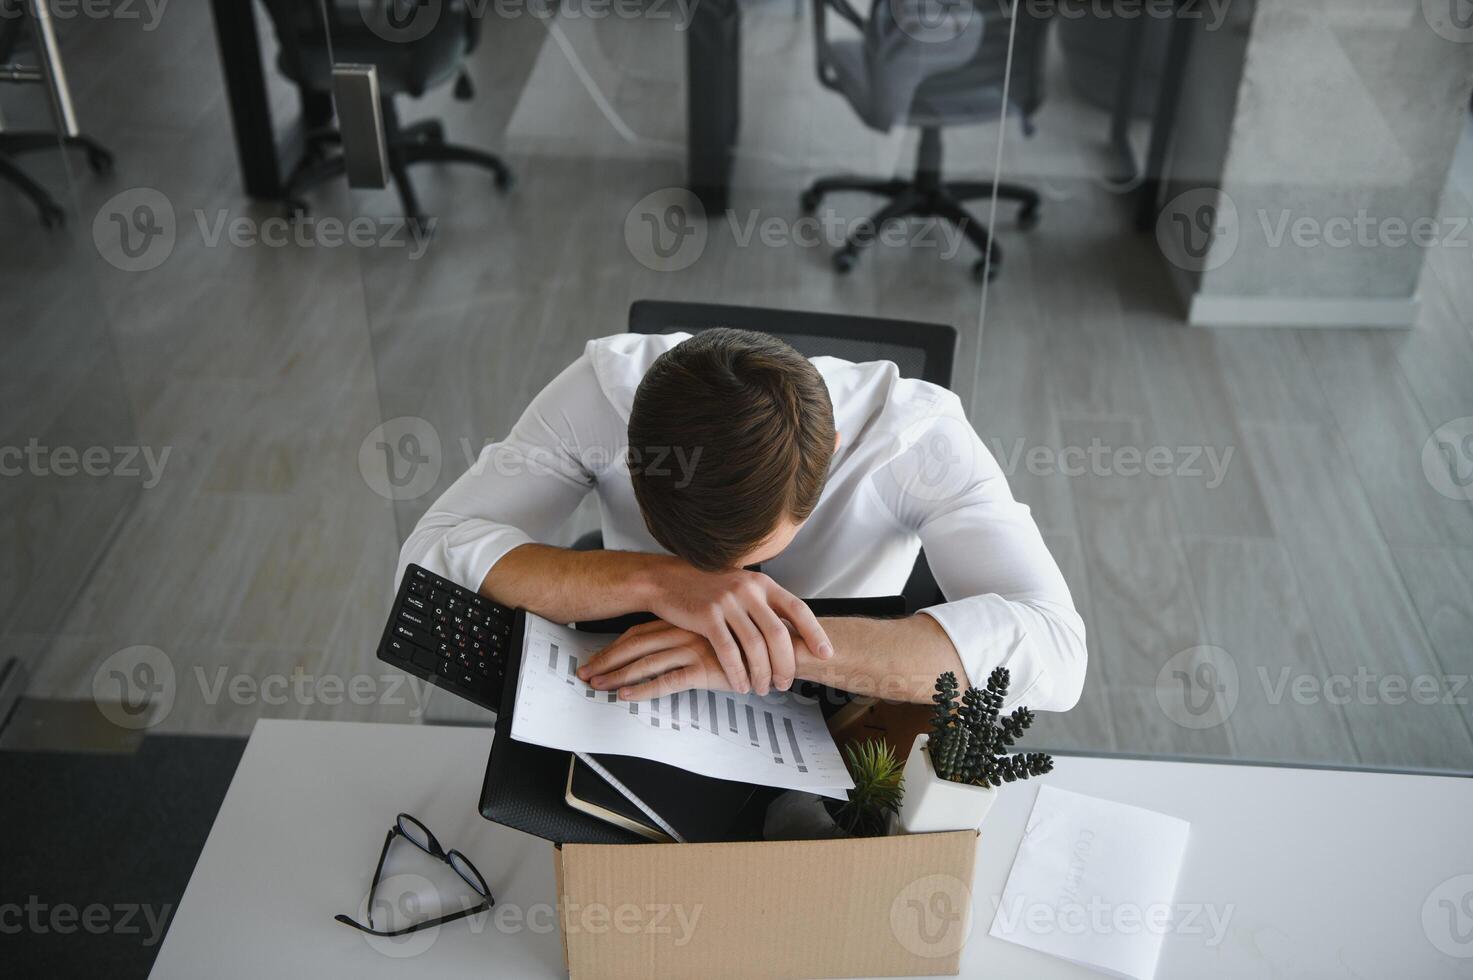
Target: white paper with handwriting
point(1094, 883)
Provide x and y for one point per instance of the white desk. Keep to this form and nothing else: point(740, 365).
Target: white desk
point(1323, 873)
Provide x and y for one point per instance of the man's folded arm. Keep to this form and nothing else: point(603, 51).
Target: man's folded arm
point(483, 531)
point(1009, 605)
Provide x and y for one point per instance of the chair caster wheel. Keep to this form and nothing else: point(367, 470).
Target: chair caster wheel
point(100, 161)
point(982, 272)
point(808, 201)
point(844, 261)
point(1028, 216)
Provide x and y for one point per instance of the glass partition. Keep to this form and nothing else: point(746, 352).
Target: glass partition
point(1231, 373)
point(71, 465)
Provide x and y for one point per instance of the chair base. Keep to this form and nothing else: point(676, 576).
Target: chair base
point(926, 195)
point(51, 213)
point(421, 142)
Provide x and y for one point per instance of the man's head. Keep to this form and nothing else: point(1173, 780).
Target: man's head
point(750, 421)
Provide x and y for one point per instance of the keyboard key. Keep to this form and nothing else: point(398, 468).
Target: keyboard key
point(401, 649)
point(416, 619)
point(424, 658)
point(446, 669)
point(418, 638)
point(417, 603)
point(418, 574)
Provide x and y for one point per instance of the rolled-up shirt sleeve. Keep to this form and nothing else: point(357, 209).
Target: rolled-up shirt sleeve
point(519, 490)
point(1007, 602)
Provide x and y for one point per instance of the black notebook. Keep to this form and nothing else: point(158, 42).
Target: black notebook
point(656, 801)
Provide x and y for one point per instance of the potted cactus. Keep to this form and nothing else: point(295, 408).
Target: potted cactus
point(952, 774)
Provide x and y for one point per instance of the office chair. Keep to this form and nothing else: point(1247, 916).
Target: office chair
point(309, 45)
point(931, 64)
point(920, 350)
point(12, 17)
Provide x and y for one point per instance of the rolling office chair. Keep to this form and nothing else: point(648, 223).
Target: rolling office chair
point(13, 17)
point(919, 350)
point(310, 44)
point(930, 63)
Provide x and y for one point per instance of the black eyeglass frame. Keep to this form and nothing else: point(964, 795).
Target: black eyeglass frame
point(432, 847)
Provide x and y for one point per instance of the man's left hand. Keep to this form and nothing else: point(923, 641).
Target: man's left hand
point(654, 659)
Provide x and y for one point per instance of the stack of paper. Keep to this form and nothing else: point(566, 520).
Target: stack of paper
point(777, 740)
point(1094, 883)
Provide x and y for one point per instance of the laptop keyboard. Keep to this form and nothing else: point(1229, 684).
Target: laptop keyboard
point(449, 636)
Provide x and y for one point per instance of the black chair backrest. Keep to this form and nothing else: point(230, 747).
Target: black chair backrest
point(920, 350)
point(306, 28)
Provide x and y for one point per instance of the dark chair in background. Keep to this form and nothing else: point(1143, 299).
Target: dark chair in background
point(920, 350)
point(931, 64)
point(13, 18)
point(313, 34)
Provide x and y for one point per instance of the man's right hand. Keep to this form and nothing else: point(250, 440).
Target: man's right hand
point(745, 616)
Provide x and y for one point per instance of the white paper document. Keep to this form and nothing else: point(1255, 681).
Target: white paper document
point(777, 740)
point(1094, 883)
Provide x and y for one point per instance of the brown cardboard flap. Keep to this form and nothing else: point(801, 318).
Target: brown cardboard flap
point(874, 907)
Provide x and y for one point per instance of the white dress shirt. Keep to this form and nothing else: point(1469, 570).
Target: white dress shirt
point(910, 471)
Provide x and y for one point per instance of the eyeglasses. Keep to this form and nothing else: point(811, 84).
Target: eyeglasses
point(419, 835)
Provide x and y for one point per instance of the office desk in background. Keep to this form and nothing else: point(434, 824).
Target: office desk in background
point(1319, 873)
point(713, 104)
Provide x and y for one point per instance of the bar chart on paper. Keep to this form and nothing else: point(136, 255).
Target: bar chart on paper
point(778, 740)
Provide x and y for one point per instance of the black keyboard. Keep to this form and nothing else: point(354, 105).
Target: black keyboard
point(449, 636)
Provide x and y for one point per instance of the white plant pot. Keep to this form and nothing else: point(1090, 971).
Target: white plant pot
point(932, 804)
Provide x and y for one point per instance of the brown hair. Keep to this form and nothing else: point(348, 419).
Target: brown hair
point(730, 431)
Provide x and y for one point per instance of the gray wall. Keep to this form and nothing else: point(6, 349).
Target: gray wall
point(1344, 106)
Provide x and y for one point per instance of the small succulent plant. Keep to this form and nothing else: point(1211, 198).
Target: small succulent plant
point(878, 787)
point(970, 736)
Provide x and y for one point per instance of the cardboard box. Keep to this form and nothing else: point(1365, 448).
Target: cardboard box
point(880, 906)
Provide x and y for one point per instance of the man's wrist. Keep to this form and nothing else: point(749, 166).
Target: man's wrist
point(649, 578)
